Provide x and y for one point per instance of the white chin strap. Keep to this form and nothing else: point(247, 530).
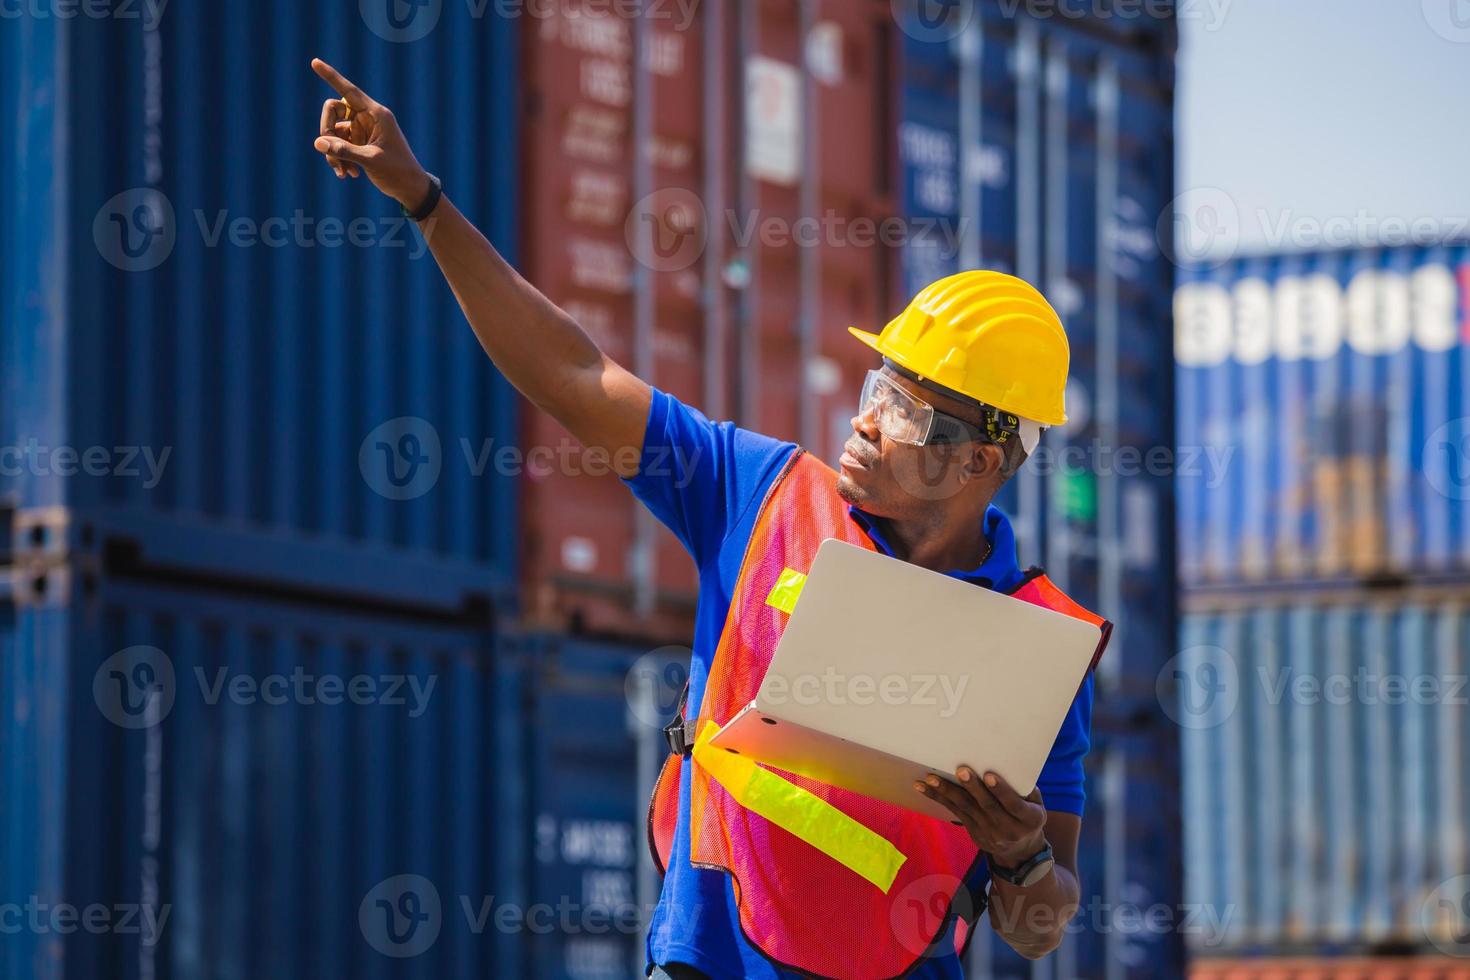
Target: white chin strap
point(1030, 435)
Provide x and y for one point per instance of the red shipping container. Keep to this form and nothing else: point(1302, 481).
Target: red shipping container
point(722, 263)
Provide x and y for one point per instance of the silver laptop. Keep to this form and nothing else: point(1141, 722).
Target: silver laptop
point(888, 672)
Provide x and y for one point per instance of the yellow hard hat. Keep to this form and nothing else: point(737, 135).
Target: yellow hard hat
point(987, 336)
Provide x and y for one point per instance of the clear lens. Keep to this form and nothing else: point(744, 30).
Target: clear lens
point(899, 415)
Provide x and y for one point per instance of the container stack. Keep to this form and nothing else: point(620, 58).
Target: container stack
point(311, 638)
point(252, 664)
point(1042, 145)
point(1325, 566)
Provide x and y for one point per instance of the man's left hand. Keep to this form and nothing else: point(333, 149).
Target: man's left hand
point(1009, 827)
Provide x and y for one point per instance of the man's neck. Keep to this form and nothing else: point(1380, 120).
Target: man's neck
point(941, 546)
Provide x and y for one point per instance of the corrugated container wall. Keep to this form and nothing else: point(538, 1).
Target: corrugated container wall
point(1326, 790)
point(710, 219)
point(1388, 968)
point(216, 356)
point(1328, 394)
point(263, 781)
point(594, 747)
point(1043, 146)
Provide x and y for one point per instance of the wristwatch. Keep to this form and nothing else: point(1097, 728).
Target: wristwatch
point(436, 191)
point(1032, 870)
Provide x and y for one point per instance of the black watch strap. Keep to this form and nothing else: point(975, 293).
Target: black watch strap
point(436, 191)
point(1023, 875)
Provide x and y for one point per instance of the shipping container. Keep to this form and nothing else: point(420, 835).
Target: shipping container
point(1334, 383)
point(714, 219)
point(1386, 968)
point(1325, 785)
point(593, 744)
point(285, 790)
point(219, 358)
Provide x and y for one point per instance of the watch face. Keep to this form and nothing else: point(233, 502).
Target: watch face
point(1042, 869)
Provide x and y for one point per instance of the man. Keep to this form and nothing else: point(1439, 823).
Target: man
point(810, 880)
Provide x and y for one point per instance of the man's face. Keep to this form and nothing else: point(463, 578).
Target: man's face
point(899, 481)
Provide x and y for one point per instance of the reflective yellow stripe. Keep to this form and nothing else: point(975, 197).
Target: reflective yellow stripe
point(786, 590)
point(800, 812)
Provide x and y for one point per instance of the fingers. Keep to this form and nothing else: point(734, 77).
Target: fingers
point(995, 786)
point(333, 111)
point(351, 94)
point(953, 797)
point(348, 153)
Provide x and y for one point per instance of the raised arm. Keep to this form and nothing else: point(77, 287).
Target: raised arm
point(538, 347)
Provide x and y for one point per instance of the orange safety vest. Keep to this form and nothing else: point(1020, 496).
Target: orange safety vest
point(848, 887)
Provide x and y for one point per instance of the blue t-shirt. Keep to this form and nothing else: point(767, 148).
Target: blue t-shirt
point(706, 483)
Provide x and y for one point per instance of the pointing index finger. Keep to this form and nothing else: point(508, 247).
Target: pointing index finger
point(351, 94)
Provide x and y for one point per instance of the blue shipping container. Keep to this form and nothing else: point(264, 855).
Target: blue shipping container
point(203, 360)
point(588, 790)
point(1335, 385)
point(242, 788)
point(1326, 794)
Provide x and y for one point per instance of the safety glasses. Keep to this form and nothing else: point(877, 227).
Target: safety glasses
point(903, 418)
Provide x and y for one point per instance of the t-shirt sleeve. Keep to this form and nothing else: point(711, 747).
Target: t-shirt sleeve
point(1061, 779)
point(699, 477)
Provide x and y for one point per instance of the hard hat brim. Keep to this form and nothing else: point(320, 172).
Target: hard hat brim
point(871, 339)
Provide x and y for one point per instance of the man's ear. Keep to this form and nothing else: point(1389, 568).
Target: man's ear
point(987, 460)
